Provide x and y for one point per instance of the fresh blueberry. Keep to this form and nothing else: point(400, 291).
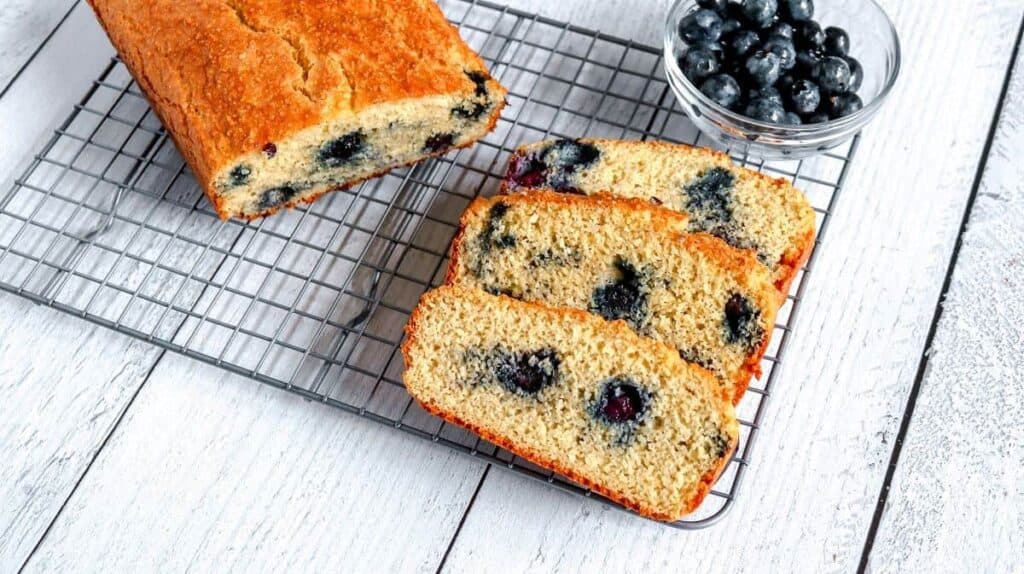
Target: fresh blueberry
point(816, 118)
point(769, 93)
point(622, 403)
point(716, 5)
point(701, 26)
point(840, 105)
point(837, 41)
point(856, 73)
point(624, 298)
point(527, 170)
point(276, 197)
point(340, 151)
point(742, 43)
point(270, 150)
point(730, 25)
point(809, 36)
point(792, 119)
point(806, 60)
point(784, 49)
point(528, 373)
point(765, 110)
point(760, 13)
point(741, 322)
point(763, 67)
point(796, 10)
point(804, 96)
point(833, 75)
point(698, 64)
point(715, 48)
point(723, 89)
point(782, 30)
point(240, 174)
point(439, 142)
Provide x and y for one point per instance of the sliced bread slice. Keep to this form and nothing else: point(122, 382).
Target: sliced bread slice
point(628, 260)
point(745, 208)
point(615, 412)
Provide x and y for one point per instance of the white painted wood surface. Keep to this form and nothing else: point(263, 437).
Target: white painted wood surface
point(63, 383)
point(957, 499)
point(44, 93)
point(24, 25)
point(210, 472)
point(254, 470)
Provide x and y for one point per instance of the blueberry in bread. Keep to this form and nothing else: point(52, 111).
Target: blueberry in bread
point(745, 208)
point(624, 260)
point(617, 413)
point(276, 102)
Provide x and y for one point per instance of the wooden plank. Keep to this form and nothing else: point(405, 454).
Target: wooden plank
point(955, 504)
point(210, 471)
point(815, 476)
point(64, 384)
point(24, 26)
point(44, 93)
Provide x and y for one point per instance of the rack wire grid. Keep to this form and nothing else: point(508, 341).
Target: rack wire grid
point(108, 224)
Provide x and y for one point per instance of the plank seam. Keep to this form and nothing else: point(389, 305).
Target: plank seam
point(120, 416)
point(38, 49)
point(915, 389)
point(462, 521)
point(92, 460)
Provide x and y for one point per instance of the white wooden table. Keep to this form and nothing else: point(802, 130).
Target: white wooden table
point(894, 442)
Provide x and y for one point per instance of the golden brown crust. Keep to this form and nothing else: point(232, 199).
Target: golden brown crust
point(707, 480)
point(228, 76)
point(791, 263)
point(739, 263)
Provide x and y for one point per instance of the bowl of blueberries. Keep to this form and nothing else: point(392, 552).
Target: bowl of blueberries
point(780, 79)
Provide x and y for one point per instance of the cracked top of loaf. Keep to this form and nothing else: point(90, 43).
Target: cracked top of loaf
point(228, 77)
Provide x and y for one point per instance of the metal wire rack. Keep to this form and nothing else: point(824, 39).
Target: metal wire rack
point(108, 224)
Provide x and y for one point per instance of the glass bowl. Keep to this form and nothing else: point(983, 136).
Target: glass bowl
point(873, 42)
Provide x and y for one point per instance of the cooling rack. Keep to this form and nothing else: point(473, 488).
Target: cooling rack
point(107, 223)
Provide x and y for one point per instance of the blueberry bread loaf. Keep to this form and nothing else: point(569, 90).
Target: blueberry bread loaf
point(617, 413)
point(745, 208)
point(275, 102)
point(628, 260)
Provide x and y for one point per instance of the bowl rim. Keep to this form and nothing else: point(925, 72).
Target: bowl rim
point(672, 69)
